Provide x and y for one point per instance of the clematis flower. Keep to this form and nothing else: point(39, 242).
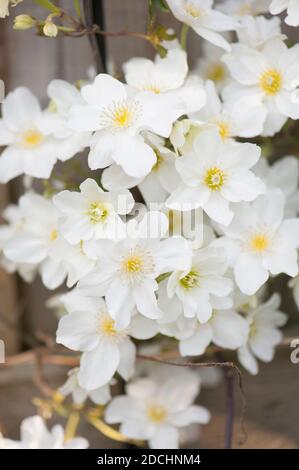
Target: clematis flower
point(244, 8)
point(260, 242)
point(99, 396)
point(155, 411)
point(63, 96)
point(264, 334)
point(200, 288)
point(92, 213)
point(33, 244)
point(211, 67)
point(203, 19)
point(268, 77)
point(106, 347)
point(214, 175)
point(229, 118)
point(226, 329)
point(292, 7)
point(283, 174)
point(35, 435)
point(256, 32)
point(4, 6)
point(119, 116)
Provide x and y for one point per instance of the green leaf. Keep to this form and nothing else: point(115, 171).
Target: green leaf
point(48, 6)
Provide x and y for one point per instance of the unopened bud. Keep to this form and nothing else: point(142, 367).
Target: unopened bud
point(23, 22)
point(50, 29)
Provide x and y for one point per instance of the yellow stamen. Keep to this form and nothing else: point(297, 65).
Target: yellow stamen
point(260, 242)
point(224, 129)
point(191, 280)
point(214, 178)
point(156, 414)
point(32, 138)
point(133, 264)
point(53, 235)
point(97, 212)
point(122, 116)
point(271, 82)
point(193, 11)
point(107, 326)
point(216, 73)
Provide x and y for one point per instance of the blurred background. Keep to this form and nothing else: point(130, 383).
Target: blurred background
point(272, 417)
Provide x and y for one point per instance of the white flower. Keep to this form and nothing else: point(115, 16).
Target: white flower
point(260, 242)
point(99, 396)
point(268, 77)
point(256, 32)
point(159, 76)
point(158, 184)
point(226, 329)
point(206, 22)
point(200, 287)
point(35, 435)
point(119, 115)
point(263, 334)
point(4, 4)
point(244, 8)
point(166, 75)
point(154, 410)
point(211, 67)
point(106, 347)
point(92, 213)
point(34, 242)
point(183, 134)
point(292, 7)
point(63, 96)
point(283, 174)
point(128, 269)
point(230, 118)
point(214, 175)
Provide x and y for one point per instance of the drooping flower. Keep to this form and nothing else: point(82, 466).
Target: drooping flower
point(35, 435)
point(264, 334)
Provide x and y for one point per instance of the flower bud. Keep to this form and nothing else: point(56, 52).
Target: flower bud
point(23, 22)
point(50, 29)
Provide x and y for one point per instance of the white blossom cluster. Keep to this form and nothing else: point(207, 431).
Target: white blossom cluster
point(183, 138)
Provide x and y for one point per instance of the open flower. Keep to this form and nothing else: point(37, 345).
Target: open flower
point(155, 410)
point(214, 175)
point(129, 268)
point(259, 242)
point(33, 243)
point(268, 77)
point(244, 8)
point(106, 347)
point(35, 435)
point(206, 22)
point(92, 213)
point(119, 116)
point(264, 334)
point(199, 288)
point(229, 118)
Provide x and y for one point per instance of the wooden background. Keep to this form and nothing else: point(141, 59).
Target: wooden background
point(27, 60)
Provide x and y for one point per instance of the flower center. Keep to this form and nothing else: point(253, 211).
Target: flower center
point(271, 82)
point(224, 129)
point(97, 212)
point(216, 73)
point(154, 88)
point(191, 280)
point(133, 264)
point(192, 10)
point(259, 242)
point(32, 138)
point(157, 414)
point(121, 114)
point(53, 235)
point(214, 178)
point(107, 326)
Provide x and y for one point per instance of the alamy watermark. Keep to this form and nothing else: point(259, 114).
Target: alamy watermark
point(295, 353)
